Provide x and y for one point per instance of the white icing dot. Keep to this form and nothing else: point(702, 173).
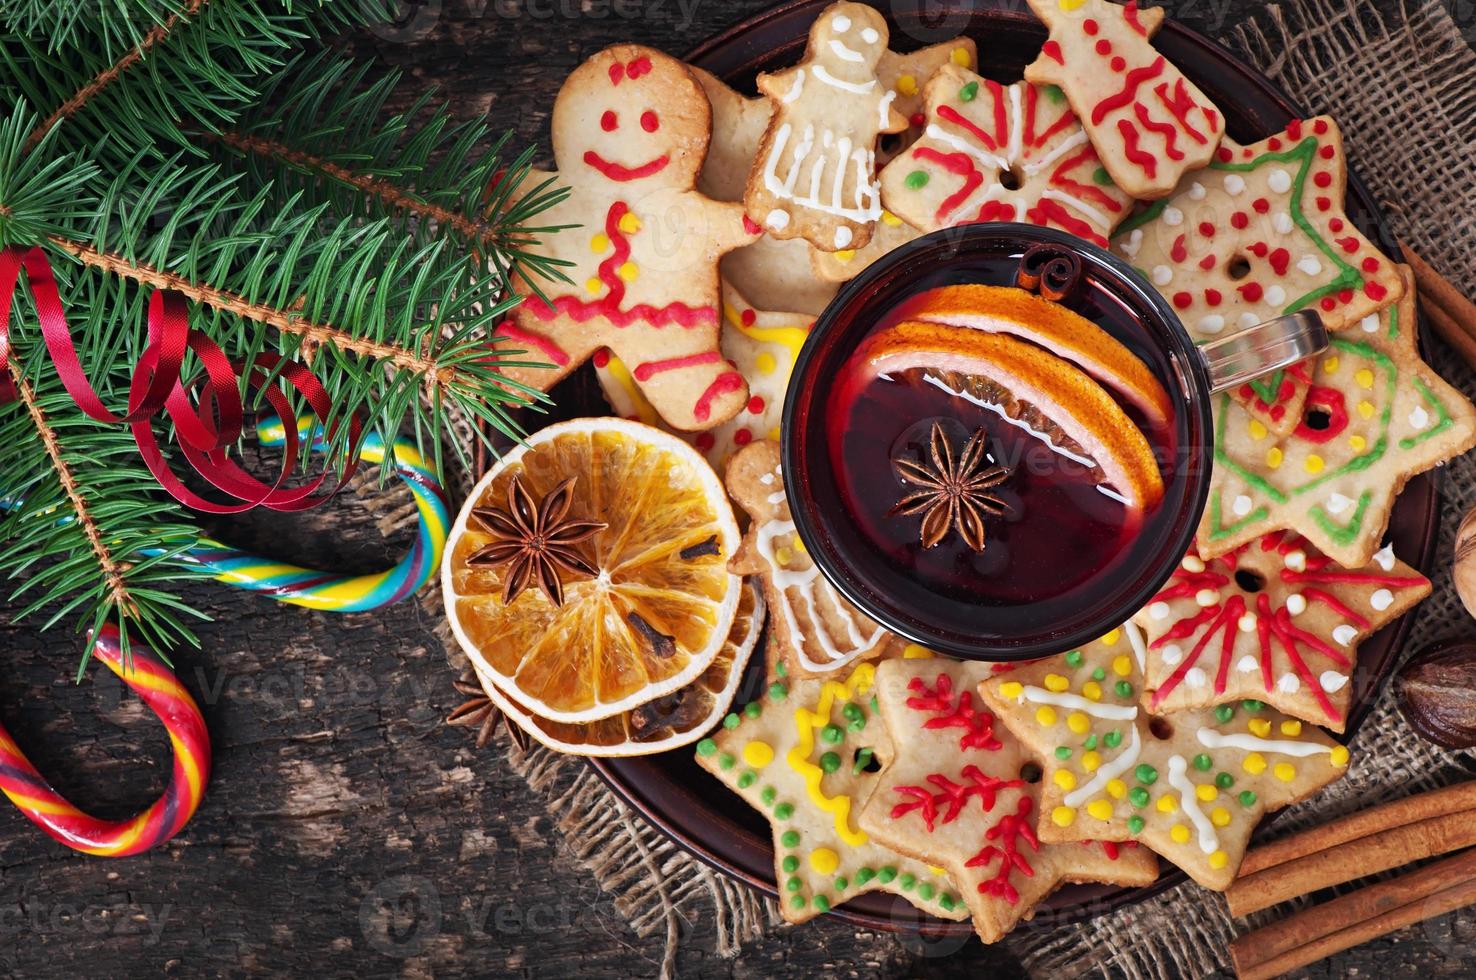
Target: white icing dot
point(1192, 564)
point(1295, 560)
point(1159, 610)
point(1282, 223)
point(767, 479)
point(1162, 275)
point(1310, 265)
point(1248, 320)
point(1247, 664)
point(1418, 417)
point(1206, 597)
point(1274, 296)
point(1129, 246)
point(1385, 557)
point(1172, 216)
point(869, 35)
point(1296, 603)
point(1280, 181)
point(842, 236)
point(1381, 600)
point(1344, 634)
point(1213, 323)
point(1288, 683)
point(1247, 623)
point(841, 23)
point(1196, 191)
point(1370, 323)
point(1172, 654)
point(1337, 503)
point(1195, 677)
point(1331, 680)
point(1234, 184)
point(778, 219)
point(1241, 505)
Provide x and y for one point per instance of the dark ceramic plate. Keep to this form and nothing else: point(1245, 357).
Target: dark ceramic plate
point(697, 811)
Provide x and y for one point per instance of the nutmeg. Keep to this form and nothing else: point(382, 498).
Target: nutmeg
point(1463, 563)
point(1437, 693)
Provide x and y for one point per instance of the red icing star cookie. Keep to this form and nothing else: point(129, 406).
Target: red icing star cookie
point(630, 130)
point(1150, 124)
point(1274, 620)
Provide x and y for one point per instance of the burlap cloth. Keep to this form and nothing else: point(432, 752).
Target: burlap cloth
point(1403, 88)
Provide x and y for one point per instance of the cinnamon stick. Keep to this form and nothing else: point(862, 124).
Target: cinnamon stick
point(1411, 809)
point(1355, 859)
point(1461, 337)
point(1356, 918)
point(1438, 290)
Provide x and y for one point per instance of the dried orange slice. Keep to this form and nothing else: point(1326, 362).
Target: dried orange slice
point(1006, 309)
point(670, 721)
point(661, 604)
point(1074, 404)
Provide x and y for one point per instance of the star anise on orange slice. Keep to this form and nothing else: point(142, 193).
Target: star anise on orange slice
point(536, 540)
point(952, 490)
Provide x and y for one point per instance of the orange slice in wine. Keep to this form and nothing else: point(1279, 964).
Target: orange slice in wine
point(1048, 393)
point(1008, 310)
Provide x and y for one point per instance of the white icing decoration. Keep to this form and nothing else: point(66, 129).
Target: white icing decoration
point(1418, 417)
point(860, 88)
point(767, 479)
point(1075, 702)
point(1096, 216)
point(1344, 634)
point(1370, 323)
point(1247, 320)
point(1247, 664)
point(867, 206)
point(1129, 246)
point(1196, 677)
point(1242, 505)
point(1274, 296)
point(1385, 557)
point(1159, 610)
point(1281, 222)
point(884, 109)
point(778, 219)
point(1209, 842)
point(1035, 167)
point(1337, 503)
point(1140, 649)
point(1012, 148)
point(840, 23)
point(1162, 275)
point(1213, 323)
point(869, 35)
point(1173, 217)
point(842, 236)
point(1280, 181)
point(1109, 771)
point(1172, 654)
point(1381, 600)
point(1196, 191)
point(936, 132)
point(1332, 681)
point(1295, 560)
point(1288, 684)
point(1310, 265)
point(1296, 603)
point(1245, 742)
point(1247, 622)
point(795, 89)
point(1192, 564)
point(1206, 597)
point(1234, 184)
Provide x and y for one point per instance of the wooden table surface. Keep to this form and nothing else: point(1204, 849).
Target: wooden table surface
point(346, 830)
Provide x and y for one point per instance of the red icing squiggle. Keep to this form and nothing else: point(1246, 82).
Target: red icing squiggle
point(1007, 835)
point(953, 710)
point(1133, 151)
point(1129, 92)
point(950, 114)
point(954, 163)
point(543, 345)
point(1163, 129)
point(622, 173)
point(727, 382)
point(648, 370)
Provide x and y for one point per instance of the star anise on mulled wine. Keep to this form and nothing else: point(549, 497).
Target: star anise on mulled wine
point(952, 491)
point(479, 710)
point(536, 540)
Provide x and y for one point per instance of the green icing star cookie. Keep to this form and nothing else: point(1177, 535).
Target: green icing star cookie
point(955, 795)
point(805, 756)
point(1191, 785)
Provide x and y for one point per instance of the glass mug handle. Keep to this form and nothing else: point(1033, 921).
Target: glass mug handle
point(1239, 357)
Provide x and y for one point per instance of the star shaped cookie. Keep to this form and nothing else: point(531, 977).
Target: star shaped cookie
point(760, 344)
point(630, 128)
point(1191, 786)
point(1371, 420)
point(816, 629)
point(805, 756)
point(1259, 233)
point(1274, 620)
point(1002, 153)
point(955, 796)
point(1150, 124)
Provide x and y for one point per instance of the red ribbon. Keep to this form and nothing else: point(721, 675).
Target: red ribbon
point(205, 426)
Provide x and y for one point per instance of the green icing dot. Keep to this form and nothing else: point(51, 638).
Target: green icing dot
point(1063, 752)
point(1099, 674)
point(784, 811)
point(1135, 824)
point(830, 762)
point(1202, 762)
point(747, 779)
point(752, 709)
point(1054, 93)
point(791, 864)
point(886, 875)
point(1091, 741)
point(1224, 780)
point(1112, 739)
point(874, 705)
point(726, 761)
point(1101, 176)
point(969, 92)
point(841, 884)
point(863, 875)
point(863, 759)
point(855, 717)
point(790, 838)
point(1073, 659)
point(1123, 689)
point(706, 747)
point(822, 904)
point(916, 180)
point(1138, 796)
point(907, 881)
point(777, 691)
point(947, 902)
point(1146, 774)
point(926, 891)
point(794, 884)
point(768, 795)
point(730, 721)
point(1224, 713)
point(798, 901)
point(832, 734)
point(781, 670)
point(1247, 798)
point(1252, 705)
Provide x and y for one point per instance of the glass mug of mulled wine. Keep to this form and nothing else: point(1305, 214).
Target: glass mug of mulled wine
point(998, 438)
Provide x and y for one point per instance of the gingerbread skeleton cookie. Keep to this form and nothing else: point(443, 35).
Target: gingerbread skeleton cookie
point(1192, 786)
point(814, 175)
point(955, 796)
point(630, 130)
point(1002, 153)
point(1272, 620)
point(1150, 124)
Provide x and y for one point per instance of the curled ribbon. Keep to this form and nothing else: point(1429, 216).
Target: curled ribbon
point(152, 680)
point(205, 427)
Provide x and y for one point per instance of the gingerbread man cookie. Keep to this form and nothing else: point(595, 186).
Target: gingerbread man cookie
point(814, 175)
point(630, 131)
point(1150, 124)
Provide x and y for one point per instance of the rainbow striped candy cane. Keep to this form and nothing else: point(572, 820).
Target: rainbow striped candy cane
point(342, 593)
point(153, 681)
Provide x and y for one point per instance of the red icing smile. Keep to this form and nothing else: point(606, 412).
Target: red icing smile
point(616, 171)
